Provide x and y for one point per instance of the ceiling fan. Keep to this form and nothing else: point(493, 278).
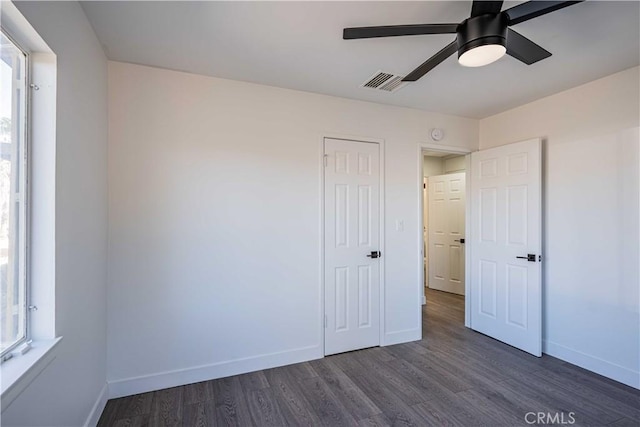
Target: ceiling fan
point(481, 39)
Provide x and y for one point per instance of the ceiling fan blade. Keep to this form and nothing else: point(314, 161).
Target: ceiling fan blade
point(479, 7)
point(398, 30)
point(524, 49)
point(533, 9)
point(432, 62)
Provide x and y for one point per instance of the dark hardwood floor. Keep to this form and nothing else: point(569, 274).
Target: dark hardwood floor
point(453, 377)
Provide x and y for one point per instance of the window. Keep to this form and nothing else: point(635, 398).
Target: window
point(13, 232)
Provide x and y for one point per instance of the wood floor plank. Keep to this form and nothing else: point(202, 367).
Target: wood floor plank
point(112, 411)
point(128, 407)
point(451, 411)
point(421, 380)
point(387, 378)
point(385, 397)
point(351, 396)
point(137, 421)
point(198, 392)
point(624, 422)
point(138, 404)
point(601, 386)
point(559, 403)
point(293, 405)
point(628, 407)
point(167, 407)
point(434, 413)
point(264, 408)
point(299, 371)
point(253, 381)
point(425, 362)
point(330, 410)
point(493, 406)
point(201, 414)
point(379, 420)
point(230, 402)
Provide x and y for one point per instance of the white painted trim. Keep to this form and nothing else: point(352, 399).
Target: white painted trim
point(354, 138)
point(406, 335)
point(423, 146)
point(593, 364)
point(40, 151)
point(467, 248)
point(19, 372)
point(17, 26)
point(322, 260)
point(420, 181)
point(98, 407)
point(381, 151)
point(382, 249)
point(178, 377)
point(444, 148)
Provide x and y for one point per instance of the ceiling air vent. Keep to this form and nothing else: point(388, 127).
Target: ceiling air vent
point(384, 81)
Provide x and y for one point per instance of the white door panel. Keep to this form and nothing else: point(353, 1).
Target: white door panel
point(506, 217)
point(446, 228)
point(352, 223)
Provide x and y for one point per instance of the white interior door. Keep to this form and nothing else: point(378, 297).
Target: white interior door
point(352, 236)
point(506, 217)
point(446, 232)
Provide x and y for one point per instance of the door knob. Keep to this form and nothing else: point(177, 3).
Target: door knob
point(529, 257)
point(459, 240)
point(375, 254)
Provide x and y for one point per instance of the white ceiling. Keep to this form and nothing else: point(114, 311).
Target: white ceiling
point(299, 45)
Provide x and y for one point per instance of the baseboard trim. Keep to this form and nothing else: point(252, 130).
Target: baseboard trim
point(399, 337)
point(98, 407)
point(178, 377)
point(591, 363)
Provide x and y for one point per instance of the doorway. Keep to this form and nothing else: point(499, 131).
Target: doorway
point(444, 224)
point(502, 250)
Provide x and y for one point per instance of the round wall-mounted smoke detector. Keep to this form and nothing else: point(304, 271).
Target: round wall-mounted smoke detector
point(437, 134)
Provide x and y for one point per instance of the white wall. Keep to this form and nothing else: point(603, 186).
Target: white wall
point(214, 215)
point(591, 182)
point(67, 390)
point(432, 166)
point(439, 165)
point(455, 164)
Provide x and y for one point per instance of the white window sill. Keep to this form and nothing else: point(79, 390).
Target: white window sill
point(18, 372)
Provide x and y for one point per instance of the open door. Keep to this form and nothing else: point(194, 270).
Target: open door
point(506, 242)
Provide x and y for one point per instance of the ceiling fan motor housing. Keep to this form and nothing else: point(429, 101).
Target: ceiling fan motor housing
point(482, 30)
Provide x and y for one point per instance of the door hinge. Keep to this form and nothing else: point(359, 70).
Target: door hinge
point(326, 156)
point(325, 321)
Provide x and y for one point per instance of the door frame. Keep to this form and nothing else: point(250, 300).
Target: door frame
point(381, 148)
point(422, 147)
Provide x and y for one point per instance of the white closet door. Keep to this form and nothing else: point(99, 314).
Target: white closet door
point(352, 233)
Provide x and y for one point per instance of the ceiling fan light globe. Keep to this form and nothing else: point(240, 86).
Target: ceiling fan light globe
point(482, 55)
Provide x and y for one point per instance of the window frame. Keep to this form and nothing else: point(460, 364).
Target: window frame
point(25, 213)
